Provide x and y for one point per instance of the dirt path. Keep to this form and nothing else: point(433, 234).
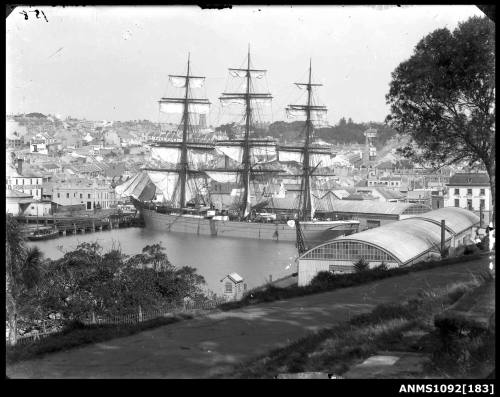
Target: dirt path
point(208, 345)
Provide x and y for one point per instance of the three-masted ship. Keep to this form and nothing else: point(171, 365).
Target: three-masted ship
point(177, 196)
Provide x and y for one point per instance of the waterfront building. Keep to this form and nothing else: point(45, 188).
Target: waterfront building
point(24, 181)
point(397, 244)
point(370, 213)
point(233, 287)
point(16, 202)
point(38, 208)
point(76, 191)
point(383, 194)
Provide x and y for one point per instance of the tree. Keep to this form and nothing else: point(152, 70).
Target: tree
point(443, 98)
point(22, 268)
point(361, 265)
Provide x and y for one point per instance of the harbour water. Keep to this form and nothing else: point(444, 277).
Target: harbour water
point(213, 257)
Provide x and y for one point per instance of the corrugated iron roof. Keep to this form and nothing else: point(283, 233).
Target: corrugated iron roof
point(412, 237)
point(374, 207)
point(457, 219)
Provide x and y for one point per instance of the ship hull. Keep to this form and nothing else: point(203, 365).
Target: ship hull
point(313, 232)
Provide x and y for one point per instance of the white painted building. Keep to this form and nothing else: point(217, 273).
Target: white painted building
point(16, 202)
point(25, 182)
point(471, 191)
point(397, 244)
point(87, 193)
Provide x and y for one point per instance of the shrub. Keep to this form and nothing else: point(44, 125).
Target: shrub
point(471, 249)
point(323, 280)
point(382, 266)
point(361, 265)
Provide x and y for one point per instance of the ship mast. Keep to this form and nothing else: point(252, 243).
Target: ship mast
point(247, 97)
point(185, 117)
point(184, 105)
point(306, 179)
point(246, 150)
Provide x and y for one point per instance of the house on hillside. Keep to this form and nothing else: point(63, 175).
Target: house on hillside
point(471, 191)
point(15, 134)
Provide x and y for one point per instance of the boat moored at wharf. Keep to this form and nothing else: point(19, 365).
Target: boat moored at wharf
point(176, 195)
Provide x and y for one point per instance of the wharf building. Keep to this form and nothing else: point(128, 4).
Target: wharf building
point(23, 181)
point(87, 194)
point(471, 191)
point(396, 244)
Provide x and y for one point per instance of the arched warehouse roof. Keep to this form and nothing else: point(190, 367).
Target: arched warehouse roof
point(403, 241)
point(377, 207)
point(456, 219)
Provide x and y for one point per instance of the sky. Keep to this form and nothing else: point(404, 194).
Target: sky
point(112, 63)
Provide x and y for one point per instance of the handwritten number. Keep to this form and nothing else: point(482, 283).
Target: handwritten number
point(37, 14)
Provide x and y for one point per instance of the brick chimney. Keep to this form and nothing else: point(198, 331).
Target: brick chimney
point(20, 166)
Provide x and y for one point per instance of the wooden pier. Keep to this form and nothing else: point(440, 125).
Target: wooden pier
point(75, 225)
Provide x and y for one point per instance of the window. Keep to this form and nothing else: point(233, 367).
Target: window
point(469, 204)
point(481, 204)
point(88, 195)
point(229, 287)
point(457, 203)
point(81, 195)
point(482, 192)
point(67, 195)
point(469, 192)
point(58, 195)
point(457, 192)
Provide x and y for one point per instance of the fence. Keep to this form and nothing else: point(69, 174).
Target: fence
point(131, 318)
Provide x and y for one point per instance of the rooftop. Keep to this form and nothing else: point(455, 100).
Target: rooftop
point(410, 238)
point(469, 179)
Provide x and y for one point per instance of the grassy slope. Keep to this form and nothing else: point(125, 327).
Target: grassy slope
point(83, 335)
point(397, 327)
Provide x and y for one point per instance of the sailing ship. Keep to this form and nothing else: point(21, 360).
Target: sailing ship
point(177, 197)
point(311, 156)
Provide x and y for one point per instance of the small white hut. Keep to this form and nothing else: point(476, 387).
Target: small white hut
point(233, 287)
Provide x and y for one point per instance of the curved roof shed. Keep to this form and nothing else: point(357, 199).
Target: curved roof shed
point(456, 219)
point(404, 241)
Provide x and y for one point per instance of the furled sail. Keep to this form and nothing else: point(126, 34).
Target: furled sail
point(222, 176)
point(180, 81)
point(166, 183)
point(317, 114)
point(175, 106)
point(166, 154)
point(233, 152)
point(321, 160)
point(263, 154)
point(254, 73)
point(287, 155)
point(139, 187)
point(199, 159)
point(254, 102)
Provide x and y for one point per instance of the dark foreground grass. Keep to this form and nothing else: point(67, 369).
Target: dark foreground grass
point(333, 282)
point(78, 334)
point(396, 327)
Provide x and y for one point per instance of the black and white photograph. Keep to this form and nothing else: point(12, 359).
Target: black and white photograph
point(251, 192)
